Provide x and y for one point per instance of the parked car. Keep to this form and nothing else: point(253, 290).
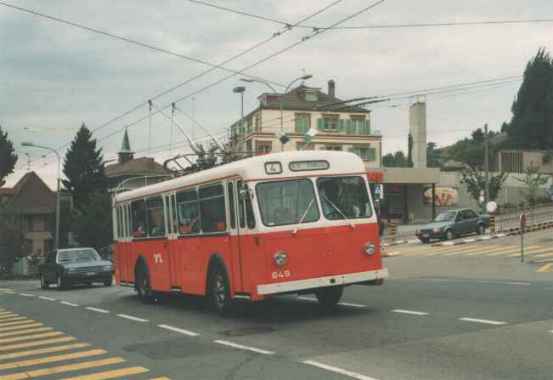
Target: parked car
point(66, 267)
point(453, 223)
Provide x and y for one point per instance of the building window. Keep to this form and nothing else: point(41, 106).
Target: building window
point(38, 224)
point(302, 122)
point(329, 123)
point(305, 146)
point(258, 121)
point(365, 152)
point(249, 146)
point(263, 147)
point(311, 96)
point(332, 147)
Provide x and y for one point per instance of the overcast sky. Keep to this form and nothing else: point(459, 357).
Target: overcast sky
point(53, 77)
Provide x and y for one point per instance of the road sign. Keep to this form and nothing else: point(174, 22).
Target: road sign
point(379, 191)
point(491, 207)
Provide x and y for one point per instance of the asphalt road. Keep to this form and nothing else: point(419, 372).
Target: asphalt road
point(471, 312)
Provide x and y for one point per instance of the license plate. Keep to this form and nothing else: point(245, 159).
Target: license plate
point(90, 273)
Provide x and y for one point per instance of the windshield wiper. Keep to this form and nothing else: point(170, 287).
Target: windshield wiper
point(304, 215)
point(340, 211)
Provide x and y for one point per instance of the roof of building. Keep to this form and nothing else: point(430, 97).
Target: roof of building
point(30, 195)
point(296, 100)
point(136, 167)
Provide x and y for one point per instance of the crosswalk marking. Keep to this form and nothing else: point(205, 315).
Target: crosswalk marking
point(475, 250)
point(20, 322)
point(25, 332)
point(36, 344)
point(62, 368)
point(30, 337)
point(545, 268)
point(52, 359)
point(111, 374)
point(11, 319)
point(20, 327)
point(6, 313)
point(511, 249)
point(40, 351)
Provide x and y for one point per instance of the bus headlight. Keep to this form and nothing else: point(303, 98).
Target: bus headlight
point(280, 258)
point(369, 248)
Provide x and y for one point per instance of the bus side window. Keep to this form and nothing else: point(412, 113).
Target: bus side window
point(249, 213)
point(212, 208)
point(188, 212)
point(156, 225)
point(138, 210)
point(231, 205)
point(241, 213)
point(245, 209)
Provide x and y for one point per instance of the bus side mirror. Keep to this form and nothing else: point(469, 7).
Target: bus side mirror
point(243, 193)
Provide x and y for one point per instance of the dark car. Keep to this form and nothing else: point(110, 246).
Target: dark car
point(453, 223)
point(66, 267)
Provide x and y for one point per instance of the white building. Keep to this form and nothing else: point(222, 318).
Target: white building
point(311, 119)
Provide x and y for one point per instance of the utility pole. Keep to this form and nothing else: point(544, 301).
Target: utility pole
point(486, 165)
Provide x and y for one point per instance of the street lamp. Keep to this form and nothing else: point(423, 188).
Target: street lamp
point(30, 144)
point(281, 100)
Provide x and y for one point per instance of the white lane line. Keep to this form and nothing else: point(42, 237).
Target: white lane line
point(448, 243)
point(410, 312)
point(47, 298)
point(348, 304)
point(469, 240)
point(69, 303)
point(338, 370)
point(485, 321)
point(27, 295)
point(180, 331)
point(132, 318)
point(103, 311)
point(485, 237)
point(242, 347)
point(518, 283)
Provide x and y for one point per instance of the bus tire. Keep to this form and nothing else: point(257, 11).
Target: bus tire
point(142, 283)
point(329, 297)
point(43, 283)
point(219, 290)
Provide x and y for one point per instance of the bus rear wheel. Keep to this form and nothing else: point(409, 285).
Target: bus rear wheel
point(143, 287)
point(329, 297)
point(219, 291)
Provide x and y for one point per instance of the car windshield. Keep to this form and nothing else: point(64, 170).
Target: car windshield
point(344, 198)
point(78, 256)
point(446, 216)
point(287, 202)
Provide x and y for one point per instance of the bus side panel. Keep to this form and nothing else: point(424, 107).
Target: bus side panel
point(254, 266)
point(121, 258)
point(157, 256)
point(116, 261)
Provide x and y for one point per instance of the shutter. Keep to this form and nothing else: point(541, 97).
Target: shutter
point(320, 124)
point(371, 154)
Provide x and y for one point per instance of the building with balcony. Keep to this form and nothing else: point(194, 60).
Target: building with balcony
point(311, 120)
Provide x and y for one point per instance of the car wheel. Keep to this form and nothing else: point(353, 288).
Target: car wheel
point(43, 283)
point(143, 287)
point(219, 291)
point(481, 229)
point(108, 282)
point(61, 282)
point(424, 240)
point(449, 235)
point(329, 297)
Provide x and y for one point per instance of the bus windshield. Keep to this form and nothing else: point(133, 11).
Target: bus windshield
point(287, 202)
point(344, 198)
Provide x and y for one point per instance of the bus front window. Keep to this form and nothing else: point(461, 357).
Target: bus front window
point(287, 202)
point(344, 198)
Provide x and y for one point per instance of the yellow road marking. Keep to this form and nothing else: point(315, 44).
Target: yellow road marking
point(24, 332)
point(4, 313)
point(31, 324)
point(8, 316)
point(62, 368)
point(495, 249)
point(40, 351)
point(475, 249)
point(161, 378)
point(443, 250)
point(545, 268)
point(16, 322)
point(111, 374)
point(547, 254)
point(30, 337)
point(12, 319)
point(526, 251)
point(52, 359)
point(35, 344)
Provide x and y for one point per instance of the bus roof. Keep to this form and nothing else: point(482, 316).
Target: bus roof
point(258, 168)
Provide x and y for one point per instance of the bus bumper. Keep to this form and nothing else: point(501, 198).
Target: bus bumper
point(320, 282)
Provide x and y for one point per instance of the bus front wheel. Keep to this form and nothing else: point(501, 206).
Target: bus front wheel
point(329, 297)
point(219, 290)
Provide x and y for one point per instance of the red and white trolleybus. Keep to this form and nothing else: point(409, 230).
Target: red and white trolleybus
point(293, 222)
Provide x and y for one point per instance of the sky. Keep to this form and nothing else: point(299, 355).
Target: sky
point(54, 77)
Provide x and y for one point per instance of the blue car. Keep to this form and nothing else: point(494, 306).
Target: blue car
point(453, 223)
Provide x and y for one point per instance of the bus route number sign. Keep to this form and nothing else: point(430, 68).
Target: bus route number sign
point(273, 167)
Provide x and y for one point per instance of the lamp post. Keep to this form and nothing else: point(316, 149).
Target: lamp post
point(240, 90)
point(30, 144)
point(281, 101)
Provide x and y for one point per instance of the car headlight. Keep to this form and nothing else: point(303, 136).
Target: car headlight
point(369, 248)
point(69, 270)
point(280, 258)
point(106, 268)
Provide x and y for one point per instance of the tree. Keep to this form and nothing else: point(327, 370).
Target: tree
point(92, 224)
point(12, 241)
point(433, 155)
point(410, 150)
point(534, 180)
point(394, 160)
point(8, 158)
point(84, 168)
point(475, 182)
point(470, 151)
point(531, 126)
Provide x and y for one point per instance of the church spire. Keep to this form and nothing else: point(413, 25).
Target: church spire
point(125, 153)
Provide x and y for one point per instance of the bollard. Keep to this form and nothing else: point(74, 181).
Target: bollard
point(393, 231)
point(492, 224)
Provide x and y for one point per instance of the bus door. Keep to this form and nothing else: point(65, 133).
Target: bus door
point(234, 238)
point(172, 242)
